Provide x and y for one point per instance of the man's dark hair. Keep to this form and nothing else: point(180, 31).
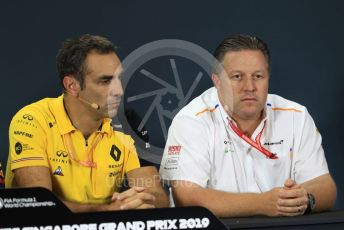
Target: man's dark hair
point(71, 57)
point(238, 43)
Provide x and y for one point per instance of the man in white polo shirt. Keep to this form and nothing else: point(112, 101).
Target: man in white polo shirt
point(240, 151)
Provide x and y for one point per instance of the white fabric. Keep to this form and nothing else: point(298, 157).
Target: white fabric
point(203, 149)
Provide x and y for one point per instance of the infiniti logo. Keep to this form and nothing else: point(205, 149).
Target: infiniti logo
point(28, 117)
point(61, 153)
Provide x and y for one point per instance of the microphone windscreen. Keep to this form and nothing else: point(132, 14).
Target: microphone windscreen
point(95, 106)
point(226, 108)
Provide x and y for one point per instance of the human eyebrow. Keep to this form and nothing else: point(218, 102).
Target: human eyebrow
point(233, 72)
point(259, 72)
point(106, 77)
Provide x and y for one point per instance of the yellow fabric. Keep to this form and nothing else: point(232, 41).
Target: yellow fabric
point(38, 135)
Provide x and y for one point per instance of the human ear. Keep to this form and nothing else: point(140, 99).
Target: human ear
point(216, 80)
point(71, 85)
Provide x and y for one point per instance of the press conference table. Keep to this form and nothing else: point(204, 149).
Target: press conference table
point(21, 208)
point(326, 220)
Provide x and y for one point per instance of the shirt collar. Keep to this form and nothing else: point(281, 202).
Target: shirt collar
point(64, 123)
point(226, 117)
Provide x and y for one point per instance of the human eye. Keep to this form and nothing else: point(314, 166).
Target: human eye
point(105, 80)
point(258, 76)
point(236, 77)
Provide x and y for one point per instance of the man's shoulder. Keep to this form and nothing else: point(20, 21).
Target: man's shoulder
point(279, 103)
point(121, 137)
point(34, 111)
point(201, 105)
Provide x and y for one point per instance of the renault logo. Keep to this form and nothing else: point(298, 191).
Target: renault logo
point(115, 153)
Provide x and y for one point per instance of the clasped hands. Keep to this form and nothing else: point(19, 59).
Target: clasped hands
point(291, 200)
point(133, 198)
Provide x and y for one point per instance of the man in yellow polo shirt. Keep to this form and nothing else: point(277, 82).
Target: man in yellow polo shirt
point(67, 144)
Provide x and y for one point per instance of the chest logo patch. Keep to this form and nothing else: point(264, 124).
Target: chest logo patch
point(274, 143)
point(58, 171)
point(115, 153)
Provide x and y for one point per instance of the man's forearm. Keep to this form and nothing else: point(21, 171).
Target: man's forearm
point(324, 190)
point(224, 204)
point(77, 207)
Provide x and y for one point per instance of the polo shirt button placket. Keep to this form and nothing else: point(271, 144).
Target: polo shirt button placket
point(249, 150)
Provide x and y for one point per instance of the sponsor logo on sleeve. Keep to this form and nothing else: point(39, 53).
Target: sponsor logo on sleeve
point(28, 120)
point(22, 133)
point(172, 159)
point(174, 149)
point(171, 162)
point(28, 117)
point(20, 147)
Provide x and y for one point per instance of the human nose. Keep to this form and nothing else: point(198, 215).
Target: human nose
point(116, 88)
point(249, 85)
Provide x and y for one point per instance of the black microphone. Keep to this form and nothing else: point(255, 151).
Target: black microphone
point(93, 105)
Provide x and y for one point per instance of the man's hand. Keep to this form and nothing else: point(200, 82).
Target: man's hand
point(291, 200)
point(149, 179)
point(133, 198)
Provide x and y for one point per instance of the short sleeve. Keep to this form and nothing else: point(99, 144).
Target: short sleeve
point(27, 140)
point(132, 161)
point(186, 154)
point(310, 161)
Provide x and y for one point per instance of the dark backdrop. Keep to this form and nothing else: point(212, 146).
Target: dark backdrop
point(305, 39)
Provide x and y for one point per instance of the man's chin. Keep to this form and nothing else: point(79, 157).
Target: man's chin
point(112, 113)
point(250, 114)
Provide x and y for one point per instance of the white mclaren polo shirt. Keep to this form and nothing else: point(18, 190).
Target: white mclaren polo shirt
point(203, 149)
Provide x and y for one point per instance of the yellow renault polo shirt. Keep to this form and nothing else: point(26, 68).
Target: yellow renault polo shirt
point(41, 134)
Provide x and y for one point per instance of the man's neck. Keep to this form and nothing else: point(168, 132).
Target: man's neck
point(248, 126)
point(81, 117)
